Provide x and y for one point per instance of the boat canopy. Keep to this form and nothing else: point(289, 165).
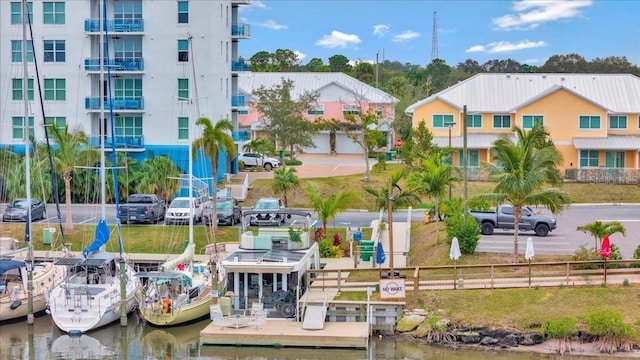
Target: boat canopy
point(161, 277)
point(7, 265)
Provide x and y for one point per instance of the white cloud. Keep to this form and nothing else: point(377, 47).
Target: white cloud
point(532, 13)
point(338, 39)
point(270, 24)
point(506, 46)
point(300, 55)
point(253, 5)
point(380, 30)
point(406, 36)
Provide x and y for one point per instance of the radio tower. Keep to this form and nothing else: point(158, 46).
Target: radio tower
point(434, 38)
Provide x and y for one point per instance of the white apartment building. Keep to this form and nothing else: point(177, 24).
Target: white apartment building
point(166, 63)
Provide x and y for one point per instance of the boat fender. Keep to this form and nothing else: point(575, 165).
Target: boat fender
point(16, 304)
point(166, 305)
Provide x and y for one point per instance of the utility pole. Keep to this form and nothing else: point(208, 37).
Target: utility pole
point(390, 227)
point(465, 166)
point(450, 125)
point(377, 84)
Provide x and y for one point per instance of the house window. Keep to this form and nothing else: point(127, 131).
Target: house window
point(474, 121)
point(243, 112)
point(128, 89)
point(54, 51)
point(17, 89)
point(617, 122)
point(16, 51)
point(53, 12)
point(183, 128)
point(588, 158)
point(379, 110)
point(127, 12)
point(55, 89)
point(528, 121)
point(316, 109)
point(16, 12)
point(441, 121)
point(502, 121)
point(614, 159)
point(352, 109)
point(183, 89)
point(129, 126)
point(183, 12)
point(17, 123)
point(474, 158)
point(183, 50)
point(589, 122)
point(60, 122)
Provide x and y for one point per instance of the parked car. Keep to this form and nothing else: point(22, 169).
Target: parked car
point(503, 218)
point(179, 211)
point(256, 159)
point(142, 208)
point(17, 210)
point(269, 212)
point(228, 211)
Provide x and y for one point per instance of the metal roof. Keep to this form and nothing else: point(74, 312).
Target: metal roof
point(314, 82)
point(506, 93)
point(611, 142)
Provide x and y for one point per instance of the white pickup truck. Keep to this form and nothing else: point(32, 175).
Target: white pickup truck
point(179, 211)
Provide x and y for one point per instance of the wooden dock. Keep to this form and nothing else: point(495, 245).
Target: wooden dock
point(286, 333)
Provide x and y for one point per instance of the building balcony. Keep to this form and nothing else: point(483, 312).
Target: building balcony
point(119, 142)
point(240, 65)
point(240, 31)
point(115, 26)
point(93, 103)
point(240, 101)
point(241, 135)
point(93, 64)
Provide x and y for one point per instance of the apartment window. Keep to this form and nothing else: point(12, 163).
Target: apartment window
point(379, 110)
point(589, 122)
point(352, 109)
point(128, 88)
point(16, 51)
point(528, 121)
point(441, 121)
point(183, 128)
point(502, 121)
point(127, 12)
point(183, 12)
point(55, 89)
point(17, 85)
point(53, 12)
point(54, 51)
point(474, 121)
point(183, 89)
point(618, 122)
point(60, 122)
point(183, 50)
point(588, 158)
point(243, 112)
point(17, 123)
point(316, 109)
point(129, 126)
point(614, 159)
point(16, 12)
point(127, 49)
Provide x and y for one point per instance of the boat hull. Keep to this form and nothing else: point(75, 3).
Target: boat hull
point(197, 309)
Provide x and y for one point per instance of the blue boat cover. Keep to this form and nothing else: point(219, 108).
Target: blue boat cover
point(6, 265)
point(102, 236)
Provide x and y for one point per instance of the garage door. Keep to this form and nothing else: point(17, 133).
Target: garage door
point(322, 144)
point(345, 145)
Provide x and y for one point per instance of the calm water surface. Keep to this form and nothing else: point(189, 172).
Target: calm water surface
point(137, 341)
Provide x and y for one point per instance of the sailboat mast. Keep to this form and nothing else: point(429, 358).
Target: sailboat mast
point(103, 130)
point(191, 128)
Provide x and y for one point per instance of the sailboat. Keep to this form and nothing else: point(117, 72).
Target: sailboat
point(100, 287)
point(25, 285)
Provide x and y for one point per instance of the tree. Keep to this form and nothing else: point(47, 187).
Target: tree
point(521, 172)
point(437, 73)
point(316, 65)
point(599, 229)
point(570, 63)
point(284, 181)
point(158, 175)
point(284, 117)
point(339, 63)
point(214, 139)
point(327, 207)
point(73, 149)
point(285, 60)
point(402, 198)
point(469, 66)
point(260, 145)
point(364, 72)
point(260, 61)
point(418, 145)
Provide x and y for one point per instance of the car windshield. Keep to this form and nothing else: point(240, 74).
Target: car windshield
point(266, 205)
point(224, 205)
point(19, 204)
point(180, 203)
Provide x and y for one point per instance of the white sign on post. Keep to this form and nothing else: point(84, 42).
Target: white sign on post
point(392, 289)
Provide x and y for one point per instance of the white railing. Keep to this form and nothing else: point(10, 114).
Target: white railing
point(239, 191)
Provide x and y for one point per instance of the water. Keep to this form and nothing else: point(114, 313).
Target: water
point(138, 341)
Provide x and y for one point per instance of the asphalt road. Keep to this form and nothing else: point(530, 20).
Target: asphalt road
point(564, 240)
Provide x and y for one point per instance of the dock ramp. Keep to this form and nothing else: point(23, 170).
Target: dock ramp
point(314, 317)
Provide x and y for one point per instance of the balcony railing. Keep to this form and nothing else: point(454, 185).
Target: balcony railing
point(116, 26)
point(93, 103)
point(240, 100)
point(241, 31)
point(129, 142)
point(242, 135)
point(93, 64)
point(240, 65)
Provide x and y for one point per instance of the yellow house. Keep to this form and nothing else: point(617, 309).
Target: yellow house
point(593, 119)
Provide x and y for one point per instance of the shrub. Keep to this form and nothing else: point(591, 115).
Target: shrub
point(562, 330)
point(636, 255)
point(328, 250)
point(293, 162)
point(590, 254)
point(468, 234)
point(478, 204)
point(614, 335)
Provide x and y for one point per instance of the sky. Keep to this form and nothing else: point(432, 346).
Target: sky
point(528, 31)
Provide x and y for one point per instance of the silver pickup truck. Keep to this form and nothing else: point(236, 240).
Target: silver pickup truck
point(503, 218)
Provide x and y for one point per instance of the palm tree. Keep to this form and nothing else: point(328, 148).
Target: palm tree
point(158, 175)
point(599, 230)
point(284, 181)
point(72, 149)
point(401, 198)
point(215, 138)
point(521, 172)
point(327, 207)
point(260, 145)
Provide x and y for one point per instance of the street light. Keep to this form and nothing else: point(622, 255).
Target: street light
point(450, 125)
